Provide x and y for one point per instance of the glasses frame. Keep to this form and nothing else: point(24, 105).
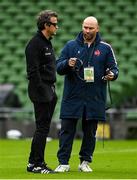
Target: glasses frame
point(54, 24)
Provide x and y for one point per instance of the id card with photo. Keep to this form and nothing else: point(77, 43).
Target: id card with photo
point(89, 74)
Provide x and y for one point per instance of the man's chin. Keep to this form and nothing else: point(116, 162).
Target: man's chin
point(51, 36)
point(88, 37)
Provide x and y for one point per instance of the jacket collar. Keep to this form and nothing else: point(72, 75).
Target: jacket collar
point(40, 34)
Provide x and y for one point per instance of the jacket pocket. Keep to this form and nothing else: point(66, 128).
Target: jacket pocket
point(42, 93)
point(46, 92)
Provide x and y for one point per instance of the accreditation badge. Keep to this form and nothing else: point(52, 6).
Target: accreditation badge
point(89, 74)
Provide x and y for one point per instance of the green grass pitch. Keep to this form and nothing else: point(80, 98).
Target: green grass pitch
point(117, 160)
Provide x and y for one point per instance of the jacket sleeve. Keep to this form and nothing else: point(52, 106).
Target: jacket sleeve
point(32, 61)
point(62, 62)
point(112, 63)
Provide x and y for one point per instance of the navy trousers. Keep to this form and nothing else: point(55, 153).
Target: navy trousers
point(67, 133)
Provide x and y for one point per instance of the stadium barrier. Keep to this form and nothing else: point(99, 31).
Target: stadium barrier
point(117, 126)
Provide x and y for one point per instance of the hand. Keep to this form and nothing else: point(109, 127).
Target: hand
point(72, 62)
point(109, 76)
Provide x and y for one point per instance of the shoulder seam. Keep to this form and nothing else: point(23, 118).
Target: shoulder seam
point(105, 43)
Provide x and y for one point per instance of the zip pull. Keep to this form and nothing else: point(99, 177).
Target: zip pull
point(88, 64)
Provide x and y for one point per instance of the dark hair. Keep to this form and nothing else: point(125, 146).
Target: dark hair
point(44, 17)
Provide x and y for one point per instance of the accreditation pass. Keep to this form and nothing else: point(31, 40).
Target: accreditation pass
point(89, 74)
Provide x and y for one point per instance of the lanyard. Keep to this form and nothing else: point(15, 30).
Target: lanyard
point(80, 62)
point(91, 54)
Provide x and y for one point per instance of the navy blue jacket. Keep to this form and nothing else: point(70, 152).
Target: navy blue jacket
point(77, 93)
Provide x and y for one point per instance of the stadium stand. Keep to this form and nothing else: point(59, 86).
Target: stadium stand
point(117, 21)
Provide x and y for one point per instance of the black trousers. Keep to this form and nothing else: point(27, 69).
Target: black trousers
point(68, 129)
point(43, 115)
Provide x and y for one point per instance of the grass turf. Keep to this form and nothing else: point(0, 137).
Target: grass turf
point(117, 160)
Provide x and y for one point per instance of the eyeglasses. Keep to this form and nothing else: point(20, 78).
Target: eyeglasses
point(54, 24)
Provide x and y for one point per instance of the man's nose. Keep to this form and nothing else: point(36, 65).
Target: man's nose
point(87, 30)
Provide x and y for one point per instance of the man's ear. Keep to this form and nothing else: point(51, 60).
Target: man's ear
point(97, 28)
point(47, 24)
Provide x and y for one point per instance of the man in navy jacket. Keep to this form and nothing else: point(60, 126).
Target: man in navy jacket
point(87, 63)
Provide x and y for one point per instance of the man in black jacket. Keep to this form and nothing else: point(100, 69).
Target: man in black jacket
point(41, 72)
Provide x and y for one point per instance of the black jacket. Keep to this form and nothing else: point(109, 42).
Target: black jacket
point(41, 70)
